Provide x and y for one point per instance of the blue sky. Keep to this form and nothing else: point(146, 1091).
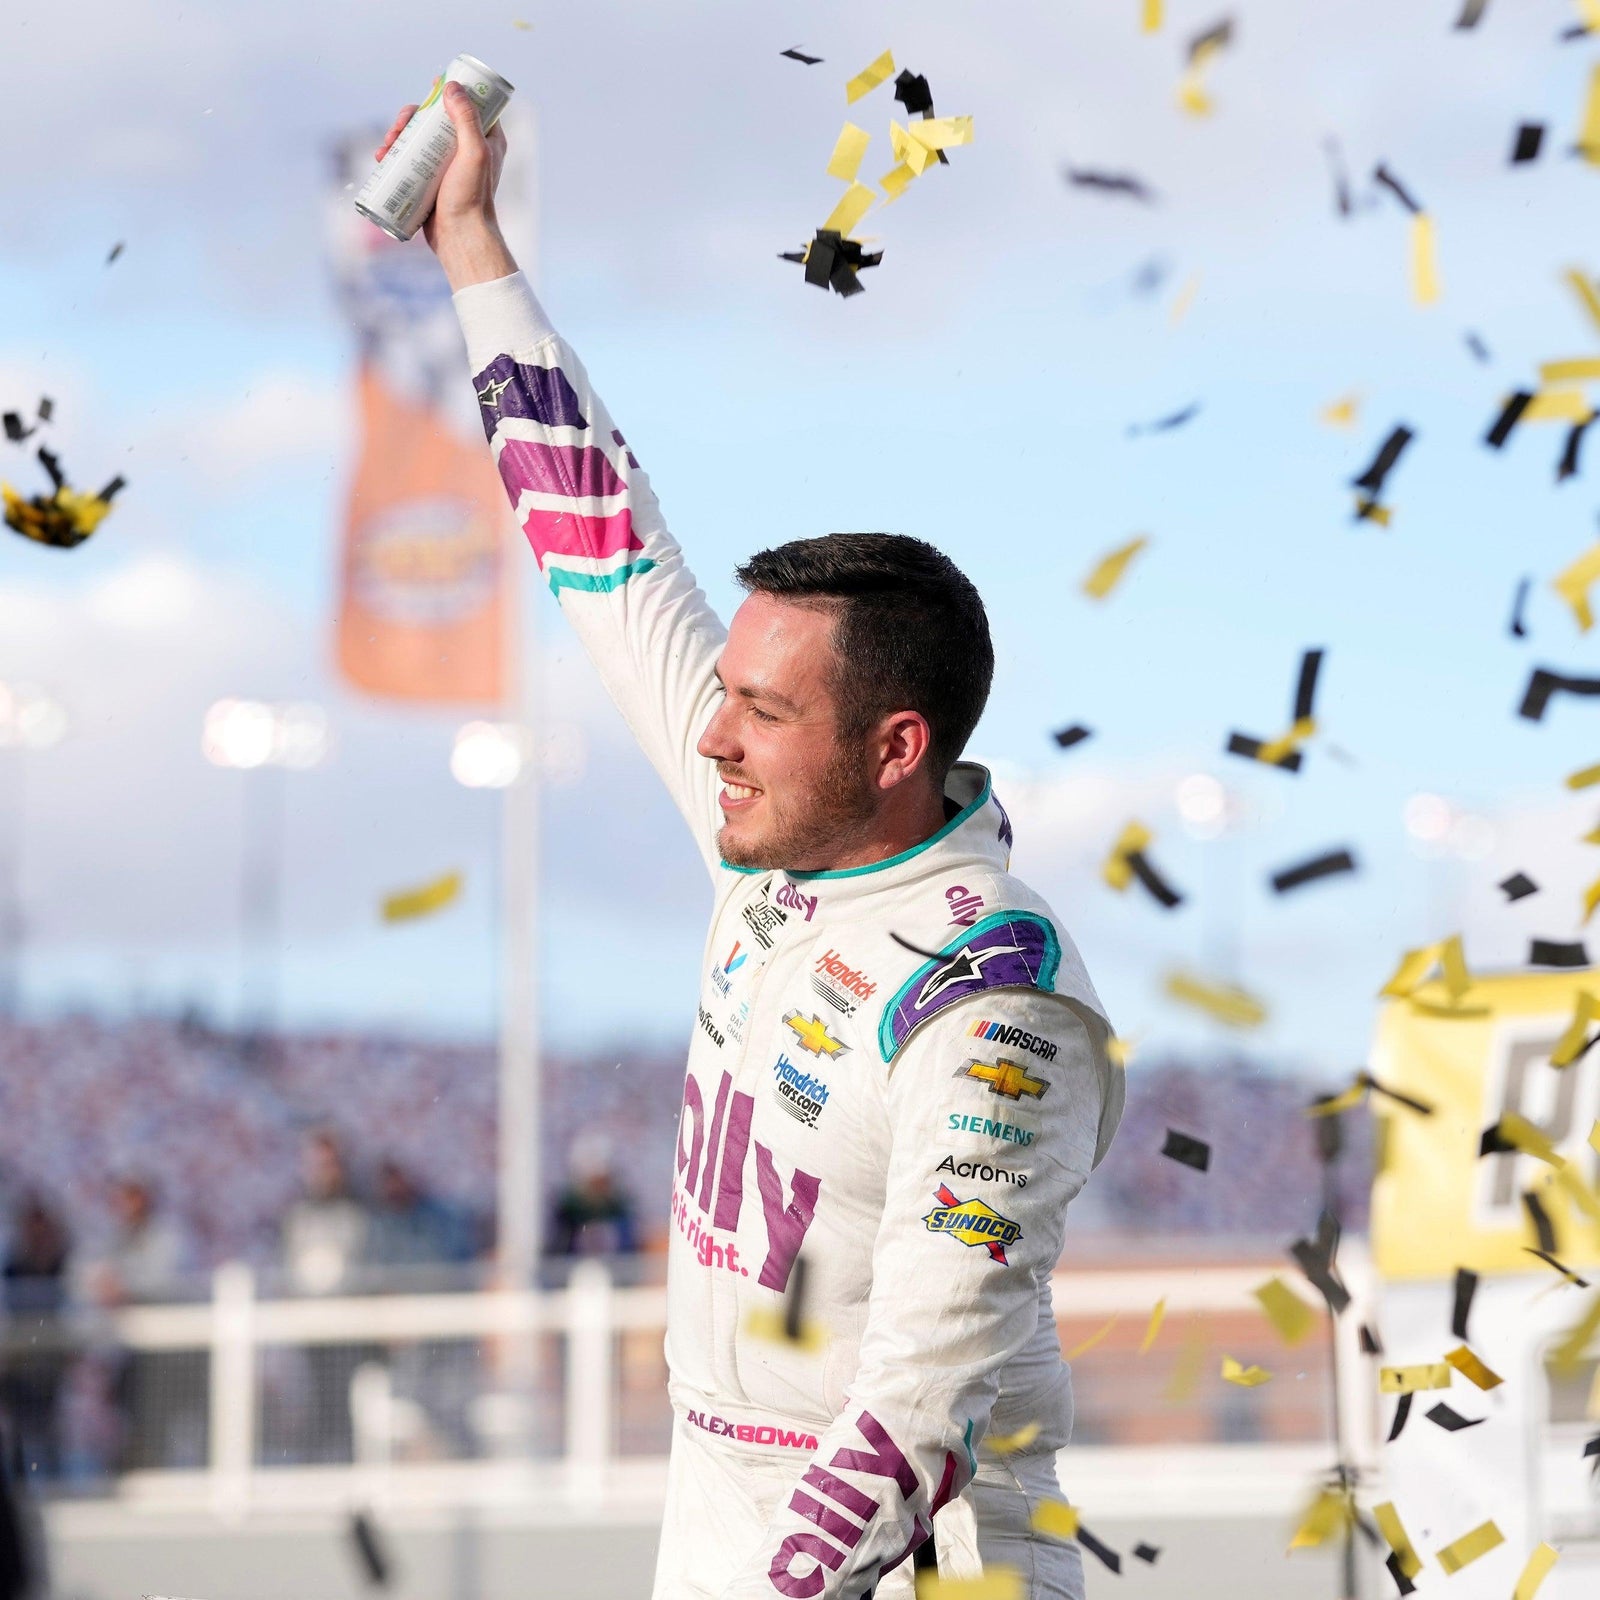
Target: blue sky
point(979, 395)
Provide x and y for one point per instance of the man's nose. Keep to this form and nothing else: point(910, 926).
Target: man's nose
point(717, 742)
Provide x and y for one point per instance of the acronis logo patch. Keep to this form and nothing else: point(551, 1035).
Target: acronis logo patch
point(973, 1223)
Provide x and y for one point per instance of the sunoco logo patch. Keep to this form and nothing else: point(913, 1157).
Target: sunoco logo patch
point(972, 1222)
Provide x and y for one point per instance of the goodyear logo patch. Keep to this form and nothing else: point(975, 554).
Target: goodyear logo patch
point(973, 1223)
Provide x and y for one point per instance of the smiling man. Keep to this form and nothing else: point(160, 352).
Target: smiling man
point(897, 1076)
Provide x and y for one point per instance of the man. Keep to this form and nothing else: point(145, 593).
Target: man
point(898, 1071)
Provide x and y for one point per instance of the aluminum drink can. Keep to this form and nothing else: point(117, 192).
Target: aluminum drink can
point(401, 190)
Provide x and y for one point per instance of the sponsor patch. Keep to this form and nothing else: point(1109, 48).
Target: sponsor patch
point(973, 1223)
point(764, 920)
point(982, 1170)
point(814, 1036)
point(1006, 1079)
point(1012, 1038)
point(722, 974)
point(1008, 950)
point(989, 1127)
point(792, 899)
point(712, 1030)
point(964, 904)
point(800, 1094)
point(842, 987)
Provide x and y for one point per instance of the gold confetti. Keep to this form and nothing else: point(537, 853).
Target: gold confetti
point(998, 1583)
point(1250, 1377)
point(1573, 583)
point(1557, 405)
point(1408, 1380)
point(1108, 570)
point(766, 1324)
point(1583, 778)
point(1289, 1315)
point(1472, 1369)
point(1093, 1339)
point(1150, 16)
point(848, 149)
point(1415, 965)
point(1583, 1012)
point(1184, 299)
point(1588, 140)
point(1235, 1007)
point(853, 205)
point(1535, 1571)
point(1007, 1444)
point(1056, 1518)
point(1133, 840)
point(1389, 1524)
point(1275, 750)
point(1424, 261)
point(1578, 369)
point(1484, 1538)
point(1326, 1516)
point(1585, 291)
point(1190, 1366)
point(1342, 413)
point(1157, 1316)
point(870, 77)
point(424, 900)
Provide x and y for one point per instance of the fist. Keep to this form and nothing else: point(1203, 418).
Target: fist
point(465, 203)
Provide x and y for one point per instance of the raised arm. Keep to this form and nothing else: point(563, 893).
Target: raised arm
point(577, 490)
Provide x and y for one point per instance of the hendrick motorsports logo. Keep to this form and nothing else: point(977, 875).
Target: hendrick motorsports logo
point(973, 1222)
point(800, 1094)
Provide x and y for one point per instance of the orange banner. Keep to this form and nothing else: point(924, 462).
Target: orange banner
point(424, 591)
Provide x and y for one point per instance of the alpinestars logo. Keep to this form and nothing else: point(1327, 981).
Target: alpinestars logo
point(966, 966)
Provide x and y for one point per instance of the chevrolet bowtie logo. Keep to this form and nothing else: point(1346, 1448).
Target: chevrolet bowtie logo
point(814, 1035)
point(1005, 1078)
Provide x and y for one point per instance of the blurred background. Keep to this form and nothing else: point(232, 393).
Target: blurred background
point(332, 1224)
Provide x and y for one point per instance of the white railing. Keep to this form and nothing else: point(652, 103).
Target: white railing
point(586, 1474)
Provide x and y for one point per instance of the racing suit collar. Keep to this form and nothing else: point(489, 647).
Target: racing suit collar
point(980, 828)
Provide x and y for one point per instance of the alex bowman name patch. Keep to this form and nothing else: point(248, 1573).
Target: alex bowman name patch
point(1009, 950)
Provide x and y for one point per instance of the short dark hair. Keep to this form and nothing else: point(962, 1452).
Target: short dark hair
point(910, 631)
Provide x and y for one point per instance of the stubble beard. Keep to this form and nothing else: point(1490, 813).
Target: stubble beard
point(817, 825)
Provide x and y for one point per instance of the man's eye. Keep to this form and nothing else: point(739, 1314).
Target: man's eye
point(762, 716)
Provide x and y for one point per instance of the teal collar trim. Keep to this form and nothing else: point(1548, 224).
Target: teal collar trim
point(966, 814)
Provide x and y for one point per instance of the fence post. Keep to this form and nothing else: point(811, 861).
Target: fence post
point(590, 1379)
point(233, 1398)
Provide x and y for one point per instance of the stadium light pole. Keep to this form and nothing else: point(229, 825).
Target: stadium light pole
point(30, 719)
point(254, 736)
point(499, 755)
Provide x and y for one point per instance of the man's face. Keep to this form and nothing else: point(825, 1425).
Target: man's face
point(794, 792)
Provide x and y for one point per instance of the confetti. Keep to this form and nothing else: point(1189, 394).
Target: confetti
point(1192, 96)
point(1389, 453)
point(1076, 734)
point(1158, 1315)
point(1093, 1339)
point(1469, 1547)
point(1466, 1287)
point(116, 250)
point(424, 900)
point(1228, 1004)
point(370, 1551)
point(1573, 583)
point(1543, 1227)
point(1166, 424)
point(1147, 1552)
point(1565, 1271)
point(1575, 1039)
point(1510, 415)
point(1557, 953)
point(1108, 571)
point(1100, 1551)
point(63, 518)
point(1441, 1416)
point(998, 1583)
point(1005, 1444)
point(845, 162)
point(1057, 1519)
point(1250, 1377)
point(1341, 413)
point(1402, 1414)
point(834, 262)
point(1290, 1316)
point(1329, 1514)
point(1424, 261)
point(1408, 1380)
point(795, 54)
point(1406, 1557)
point(1473, 1369)
point(1187, 1151)
point(1535, 1571)
point(1518, 886)
point(1328, 865)
point(1529, 138)
point(868, 79)
point(1123, 183)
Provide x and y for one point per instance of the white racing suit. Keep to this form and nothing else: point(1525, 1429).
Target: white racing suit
point(912, 1125)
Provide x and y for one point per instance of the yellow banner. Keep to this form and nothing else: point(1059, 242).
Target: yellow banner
point(1436, 1204)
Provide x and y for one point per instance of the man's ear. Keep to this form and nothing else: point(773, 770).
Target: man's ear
point(904, 742)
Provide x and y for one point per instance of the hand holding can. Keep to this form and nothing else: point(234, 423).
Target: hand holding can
point(437, 167)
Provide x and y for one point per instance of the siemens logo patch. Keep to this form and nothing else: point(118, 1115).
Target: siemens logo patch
point(958, 1122)
point(1013, 1038)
